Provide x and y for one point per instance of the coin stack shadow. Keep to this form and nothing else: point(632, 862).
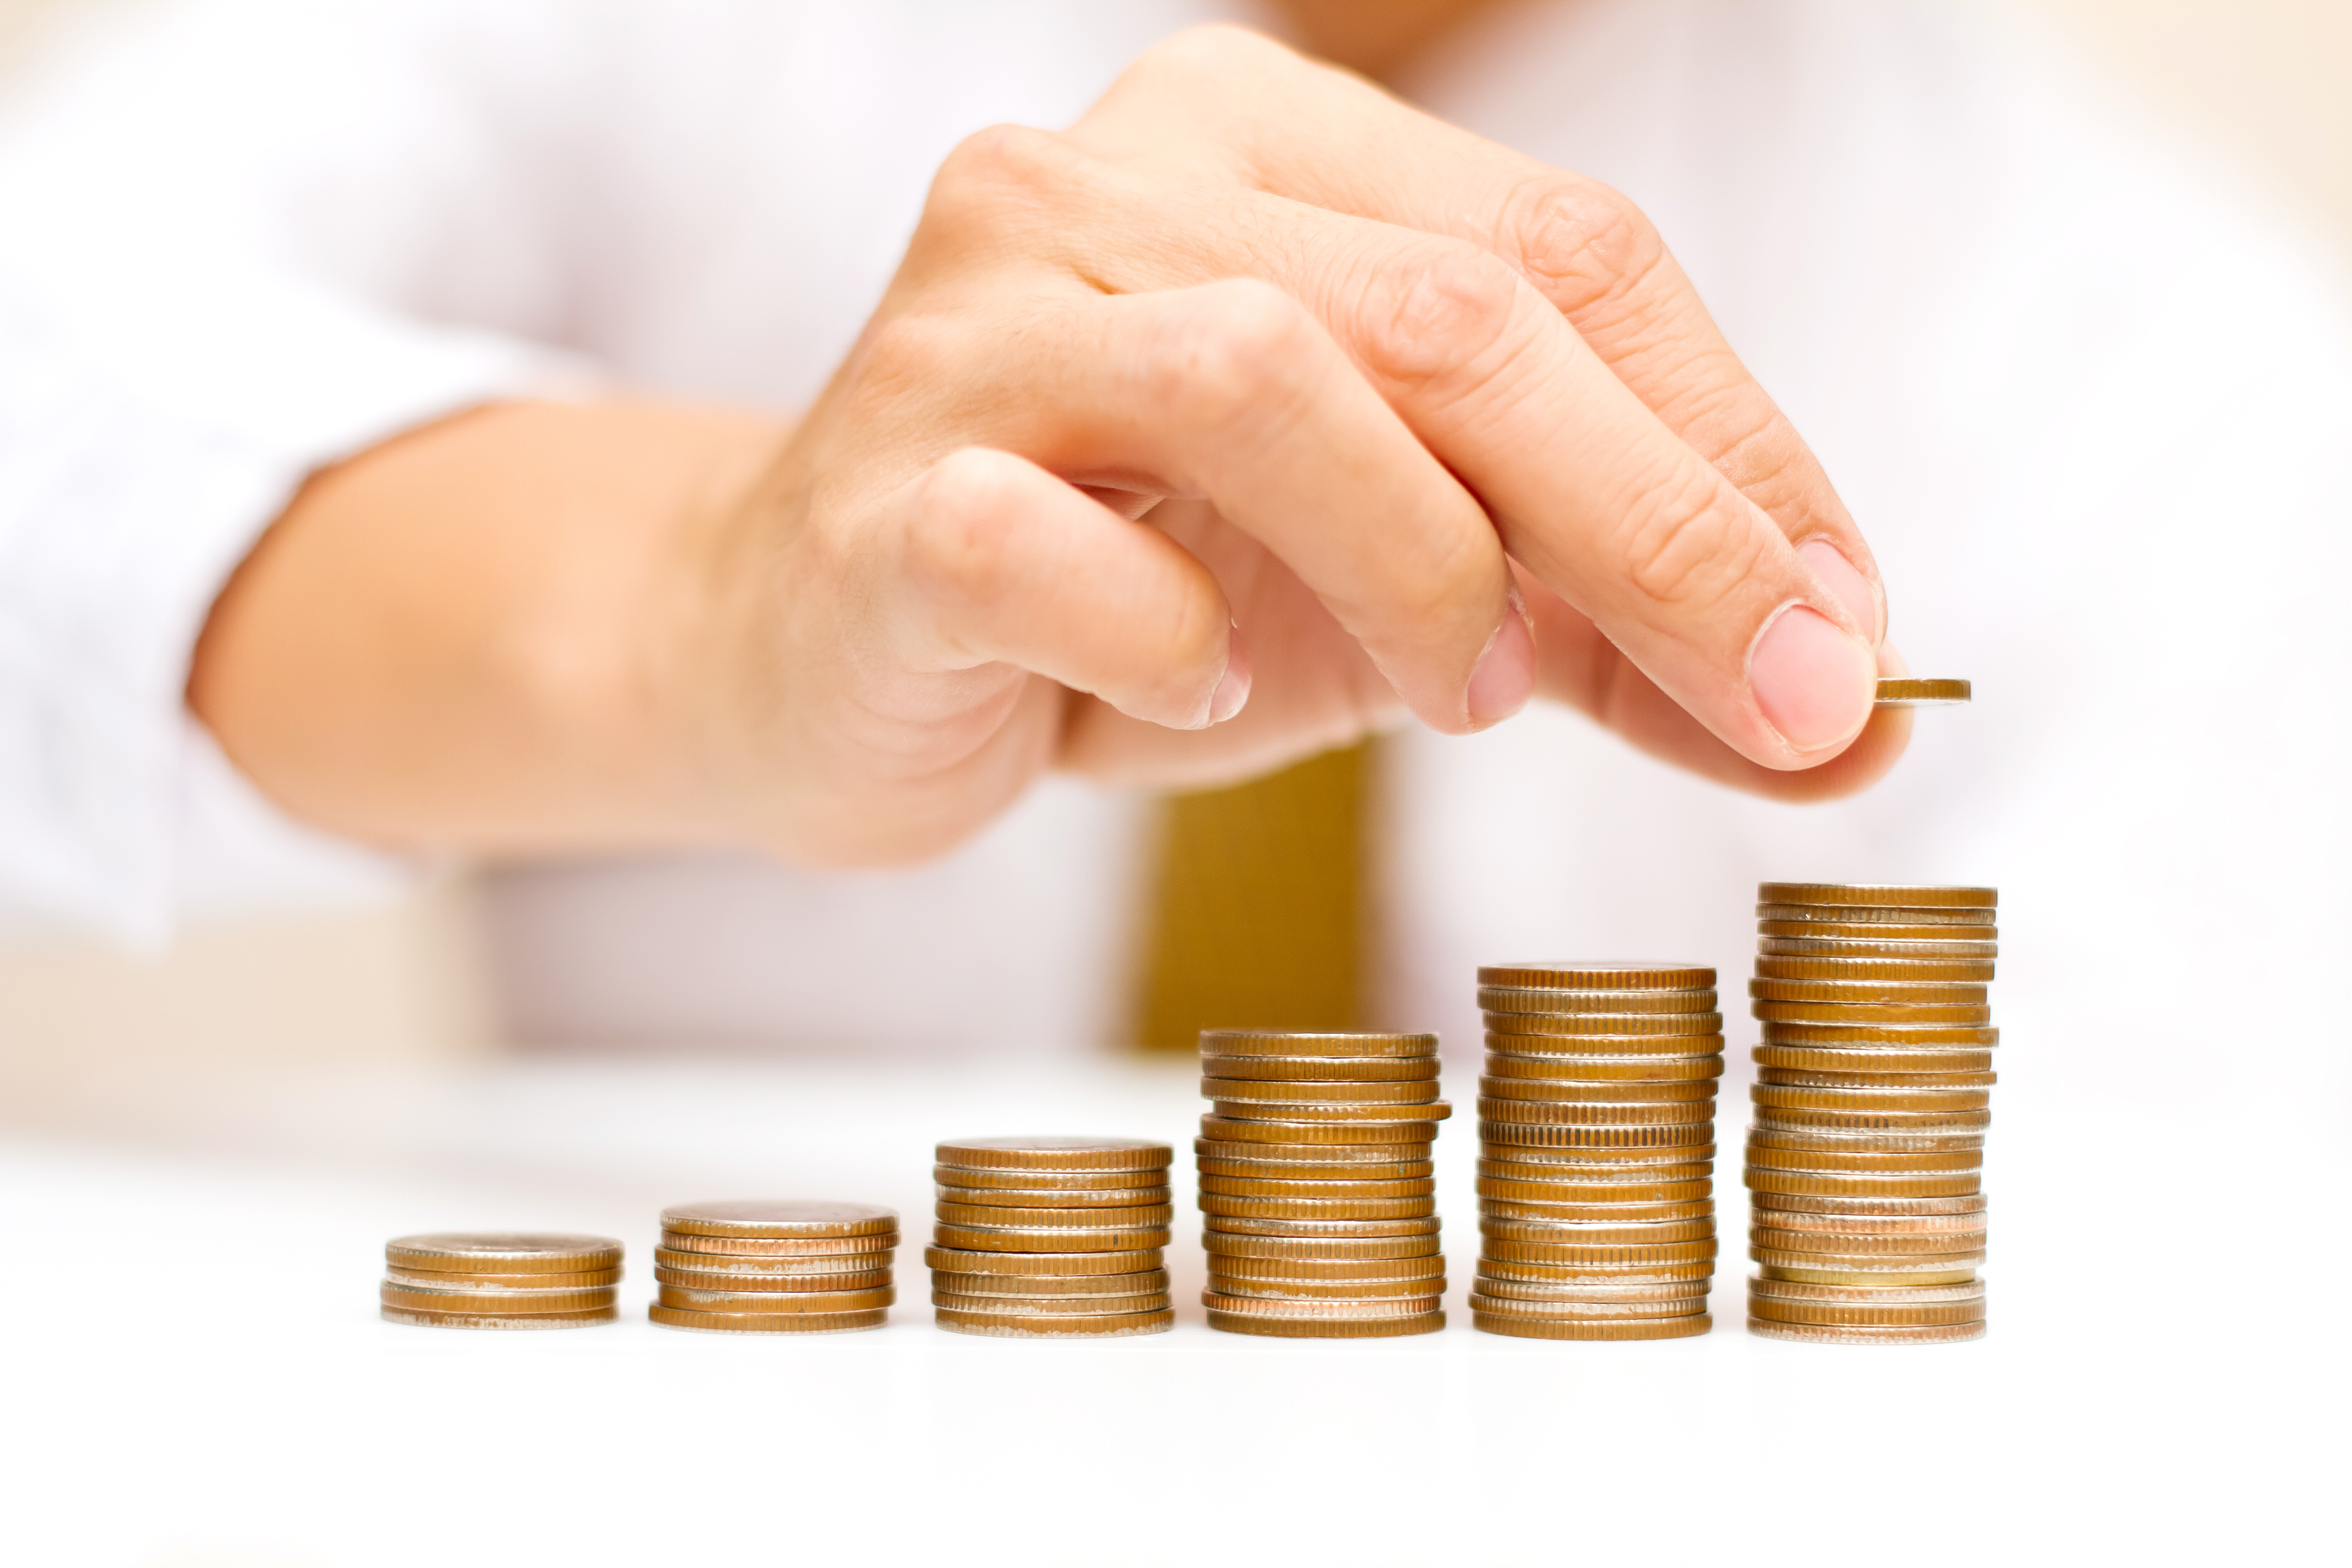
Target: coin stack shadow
point(501, 1280)
point(1052, 1237)
point(1866, 1214)
point(774, 1265)
point(1317, 1184)
point(1596, 1129)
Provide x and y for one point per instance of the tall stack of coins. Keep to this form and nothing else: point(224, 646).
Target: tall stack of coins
point(769, 1265)
point(1316, 1184)
point(1052, 1238)
point(501, 1280)
point(1874, 1079)
point(1596, 1129)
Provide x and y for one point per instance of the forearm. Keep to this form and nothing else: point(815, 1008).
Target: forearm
point(474, 637)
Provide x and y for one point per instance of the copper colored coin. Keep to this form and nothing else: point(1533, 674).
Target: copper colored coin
point(1422, 1285)
point(1411, 1137)
point(1878, 914)
point(1866, 1295)
point(1553, 999)
point(1595, 1047)
point(1792, 1119)
point(1025, 1326)
point(1358, 1309)
point(1052, 1306)
point(502, 1252)
point(1875, 1161)
point(1319, 1229)
point(1864, 1244)
point(418, 1318)
point(1915, 895)
point(1574, 1025)
point(1338, 1271)
point(1326, 1328)
point(969, 1260)
point(781, 1246)
point(1042, 1238)
point(1574, 1233)
point(1875, 930)
point(1489, 1284)
point(1148, 1217)
point(1290, 1091)
point(1336, 1250)
point(1565, 1091)
point(1562, 1309)
point(1597, 1112)
point(1827, 1203)
point(1522, 1135)
point(1260, 1152)
point(779, 1219)
point(1781, 1097)
point(1875, 947)
point(1905, 1225)
point(1026, 1179)
point(1883, 1037)
point(1577, 1164)
point(1612, 1274)
point(1525, 1328)
point(1145, 1282)
point(768, 1323)
point(1869, 1140)
point(1803, 1265)
point(429, 1280)
point(1374, 1117)
point(1323, 1070)
point(774, 1284)
point(1055, 1153)
point(1259, 1187)
point(1883, 993)
point(1600, 1255)
point(1604, 1069)
point(1302, 1172)
point(1650, 1174)
point(1869, 1012)
point(1905, 970)
point(1596, 1192)
point(1308, 1043)
point(824, 1266)
point(1597, 1214)
point(1820, 1334)
point(695, 1301)
point(1230, 1208)
point(1600, 975)
point(1805, 1077)
point(1857, 1184)
point(1102, 1198)
point(493, 1301)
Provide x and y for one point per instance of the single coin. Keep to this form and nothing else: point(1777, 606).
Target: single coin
point(774, 1284)
point(1022, 1326)
point(768, 1323)
point(1541, 999)
point(1312, 1229)
point(1883, 1037)
point(1909, 691)
point(1900, 1225)
point(695, 1301)
point(1818, 1334)
point(779, 1247)
point(1518, 1135)
point(1055, 1153)
point(1595, 1212)
point(1287, 1091)
point(1336, 1271)
point(1147, 1218)
point(1631, 1182)
point(823, 1267)
point(1873, 1161)
point(957, 1282)
point(1865, 1264)
point(1867, 1013)
point(493, 1301)
point(1630, 1255)
point(1793, 1118)
point(1876, 914)
point(1324, 1069)
point(1313, 1043)
point(1576, 1164)
point(1878, 894)
point(1316, 1208)
point(1696, 1088)
point(1589, 1233)
point(1250, 1130)
point(1864, 1139)
point(1527, 1328)
point(1260, 1187)
point(1865, 1295)
point(1379, 1119)
point(1904, 971)
point(1592, 1291)
point(1581, 1068)
point(1563, 1311)
point(1321, 1311)
point(429, 1279)
point(1595, 1192)
point(1874, 947)
point(1611, 1024)
point(973, 1260)
point(1107, 1200)
point(1326, 1328)
point(502, 1252)
point(1889, 1278)
point(1859, 1184)
point(1422, 1285)
point(1290, 1172)
point(1597, 1047)
point(1372, 1157)
point(1052, 1306)
point(1875, 929)
point(1678, 1275)
point(1851, 1203)
point(1043, 1238)
point(1800, 1078)
point(1860, 1097)
point(1600, 975)
point(418, 1318)
point(1597, 1112)
point(779, 1219)
point(1962, 992)
point(1026, 1179)
point(1333, 1249)
point(1859, 1245)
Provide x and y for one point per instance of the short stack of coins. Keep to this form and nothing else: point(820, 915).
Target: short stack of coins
point(1317, 1184)
point(501, 1280)
point(1052, 1237)
point(1596, 1130)
point(773, 1266)
point(1874, 1079)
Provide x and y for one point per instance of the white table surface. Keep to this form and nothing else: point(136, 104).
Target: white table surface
point(196, 1375)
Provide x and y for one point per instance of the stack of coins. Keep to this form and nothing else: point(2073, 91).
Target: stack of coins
point(1317, 1186)
point(1875, 1077)
point(769, 1265)
point(1052, 1238)
point(1596, 1129)
point(501, 1280)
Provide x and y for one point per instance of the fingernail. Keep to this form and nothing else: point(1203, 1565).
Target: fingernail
point(1234, 686)
point(1814, 683)
point(1505, 674)
point(1852, 588)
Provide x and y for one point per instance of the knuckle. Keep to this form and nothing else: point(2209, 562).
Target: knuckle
point(959, 547)
point(1585, 244)
point(1684, 538)
point(1436, 310)
point(1216, 54)
point(1233, 354)
point(993, 174)
point(903, 354)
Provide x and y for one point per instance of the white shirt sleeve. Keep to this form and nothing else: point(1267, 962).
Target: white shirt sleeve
point(235, 236)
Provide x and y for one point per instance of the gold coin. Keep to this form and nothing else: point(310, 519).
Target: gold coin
point(974, 1261)
point(1052, 1306)
point(774, 1247)
point(1146, 1217)
point(1316, 1208)
point(1798, 1078)
point(1628, 1179)
point(1310, 1173)
point(1525, 1328)
point(494, 1301)
point(1875, 947)
point(1376, 1116)
point(1901, 971)
point(1600, 975)
point(1056, 1153)
point(1900, 1225)
point(1605, 1069)
point(1590, 1233)
point(1491, 1267)
point(417, 1317)
point(1868, 1140)
point(1759, 1288)
point(1868, 1263)
point(1324, 1069)
point(1422, 1286)
point(1851, 1183)
point(1867, 1013)
point(779, 1267)
point(1878, 895)
point(779, 1220)
point(1793, 1118)
point(1914, 692)
point(1370, 1156)
point(1821, 1334)
point(1535, 999)
point(1964, 992)
point(1597, 1112)
point(1106, 1200)
point(1588, 1193)
point(1027, 1180)
point(1854, 1205)
point(1873, 1162)
point(1326, 1328)
point(1859, 1245)
point(1321, 1311)
point(1882, 1276)
point(768, 1323)
point(1628, 1256)
point(1589, 1290)
point(1595, 1212)
point(1519, 1135)
point(1597, 1047)
point(1402, 1140)
point(1575, 1164)
point(1879, 914)
point(1332, 1249)
point(774, 1284)
point(427, 1279)
point(1024, 1327)
point(1336, 1271)
point(502, 1252)
point(691, 1300)
point(1611, 1024)
point(1620, 1089)
point(1859, 1098)
point(1312, 1043)
point(1875, 929)
point(1559, 1310)
point(1883, 1037)
point(1318, 1230)
point(1047, 1238)
point(1058, 1286)
point(1261, 1187)
point(1285, 1092)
